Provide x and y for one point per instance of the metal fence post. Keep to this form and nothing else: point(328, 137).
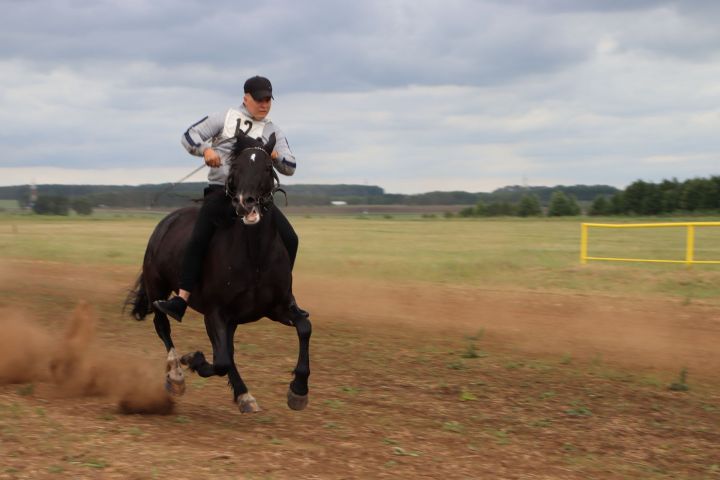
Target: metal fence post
point(690, 246)
point(583, 243)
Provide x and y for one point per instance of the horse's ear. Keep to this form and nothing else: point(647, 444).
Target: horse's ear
point(242, 142)
point(270, 145)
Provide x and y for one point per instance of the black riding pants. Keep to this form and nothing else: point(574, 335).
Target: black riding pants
point(217, 210)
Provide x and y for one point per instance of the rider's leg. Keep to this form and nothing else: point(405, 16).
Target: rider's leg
point(287, 235)
point(290, 240)
point(214, 207)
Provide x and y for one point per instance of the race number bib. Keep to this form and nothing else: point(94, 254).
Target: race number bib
point(236, 122)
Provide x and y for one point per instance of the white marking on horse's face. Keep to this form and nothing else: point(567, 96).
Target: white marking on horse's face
point(252, 157)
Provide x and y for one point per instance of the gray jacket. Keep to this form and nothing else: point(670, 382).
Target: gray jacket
point(215, 130)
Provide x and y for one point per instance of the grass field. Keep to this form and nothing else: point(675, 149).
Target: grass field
point(528, 254)
point(442, 348)
point(9, 205)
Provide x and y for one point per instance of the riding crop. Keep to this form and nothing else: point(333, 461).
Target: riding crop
point(173, 185)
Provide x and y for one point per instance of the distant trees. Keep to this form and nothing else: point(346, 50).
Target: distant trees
point(562, 205)
point(668, 196)
point(585, 193)
point(494, 209)
point(600, 206)
point(141, 196)
point(52, 205)
point(697, 195)
point(82, 206)
point(60, 205)
point(529, 206)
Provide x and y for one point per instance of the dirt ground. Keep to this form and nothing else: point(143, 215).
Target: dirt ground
point(408, 381)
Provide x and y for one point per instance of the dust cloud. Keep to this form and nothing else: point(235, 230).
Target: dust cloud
point(77, 364)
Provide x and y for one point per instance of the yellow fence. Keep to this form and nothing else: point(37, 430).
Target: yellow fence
point(689, 245)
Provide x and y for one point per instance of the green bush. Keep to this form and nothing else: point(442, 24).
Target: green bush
point(52, 205)
point(529, 206)
point(562, 205)
point(82, 206)
point(600, 206)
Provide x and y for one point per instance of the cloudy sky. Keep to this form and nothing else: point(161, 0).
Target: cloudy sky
point(410, 95)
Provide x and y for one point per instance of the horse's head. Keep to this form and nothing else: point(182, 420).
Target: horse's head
point(252, 180)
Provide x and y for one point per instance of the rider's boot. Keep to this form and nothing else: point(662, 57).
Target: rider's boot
point(175, 307)
point(295, 309)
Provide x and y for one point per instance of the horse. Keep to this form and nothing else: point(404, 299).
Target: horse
point(246, 276)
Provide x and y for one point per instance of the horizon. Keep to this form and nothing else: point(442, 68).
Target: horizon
point(385, 192)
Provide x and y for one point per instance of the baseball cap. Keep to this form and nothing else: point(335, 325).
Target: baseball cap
point(259, 87)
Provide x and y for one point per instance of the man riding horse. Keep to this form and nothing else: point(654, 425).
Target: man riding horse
point(211, 138)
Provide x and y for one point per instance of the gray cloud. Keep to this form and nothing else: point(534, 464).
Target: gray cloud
point(342, 46)
point(409, 95)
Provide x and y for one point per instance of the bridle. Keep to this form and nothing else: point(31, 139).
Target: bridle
point(266, 200)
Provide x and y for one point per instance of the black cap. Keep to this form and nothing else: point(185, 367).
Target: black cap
point(259, 87)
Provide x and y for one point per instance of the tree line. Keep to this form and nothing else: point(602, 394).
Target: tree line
point(168, 196)
point(697, 195)
point(529, 205)
point(59, 205)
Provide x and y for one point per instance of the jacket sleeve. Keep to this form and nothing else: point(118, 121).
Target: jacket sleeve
point(198, 137)
point(285, 162)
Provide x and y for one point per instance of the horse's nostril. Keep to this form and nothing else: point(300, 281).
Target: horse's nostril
point(250, 201)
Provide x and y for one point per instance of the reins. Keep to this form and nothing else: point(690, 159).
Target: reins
point(173, 185)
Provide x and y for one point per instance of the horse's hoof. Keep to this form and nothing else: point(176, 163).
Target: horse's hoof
point(295, 401)
point(175, 386)
point(192, 360)
point(187, 358)
point(247, 404)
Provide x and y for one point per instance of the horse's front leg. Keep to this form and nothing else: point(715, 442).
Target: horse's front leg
point(298, 391)
point(221, 333)
point(245, 402)
point(174, 378)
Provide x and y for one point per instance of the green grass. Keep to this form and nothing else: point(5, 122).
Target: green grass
point(92, 240)
point(508, 253)
point(529, 254)
point(9, 205)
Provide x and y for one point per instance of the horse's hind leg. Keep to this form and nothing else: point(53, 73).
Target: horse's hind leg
point(162, 327)
point(174, 379)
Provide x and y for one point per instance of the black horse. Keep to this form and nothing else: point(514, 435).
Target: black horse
point(246, 276)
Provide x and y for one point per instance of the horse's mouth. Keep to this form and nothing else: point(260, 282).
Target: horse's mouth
point(252, 217)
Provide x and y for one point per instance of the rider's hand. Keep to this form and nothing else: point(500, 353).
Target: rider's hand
point(274, 155)
point(212, 159)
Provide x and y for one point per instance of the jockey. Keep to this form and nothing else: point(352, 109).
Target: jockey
point(209, 138)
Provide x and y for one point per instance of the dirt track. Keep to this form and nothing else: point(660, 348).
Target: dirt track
point(408, 381)
point(643, 334)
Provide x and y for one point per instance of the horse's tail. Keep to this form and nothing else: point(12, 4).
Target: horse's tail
point(138, 299)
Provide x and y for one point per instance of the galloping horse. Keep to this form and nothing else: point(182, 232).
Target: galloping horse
point(246, 276)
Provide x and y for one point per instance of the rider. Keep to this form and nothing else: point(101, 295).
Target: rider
point(210, 138)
